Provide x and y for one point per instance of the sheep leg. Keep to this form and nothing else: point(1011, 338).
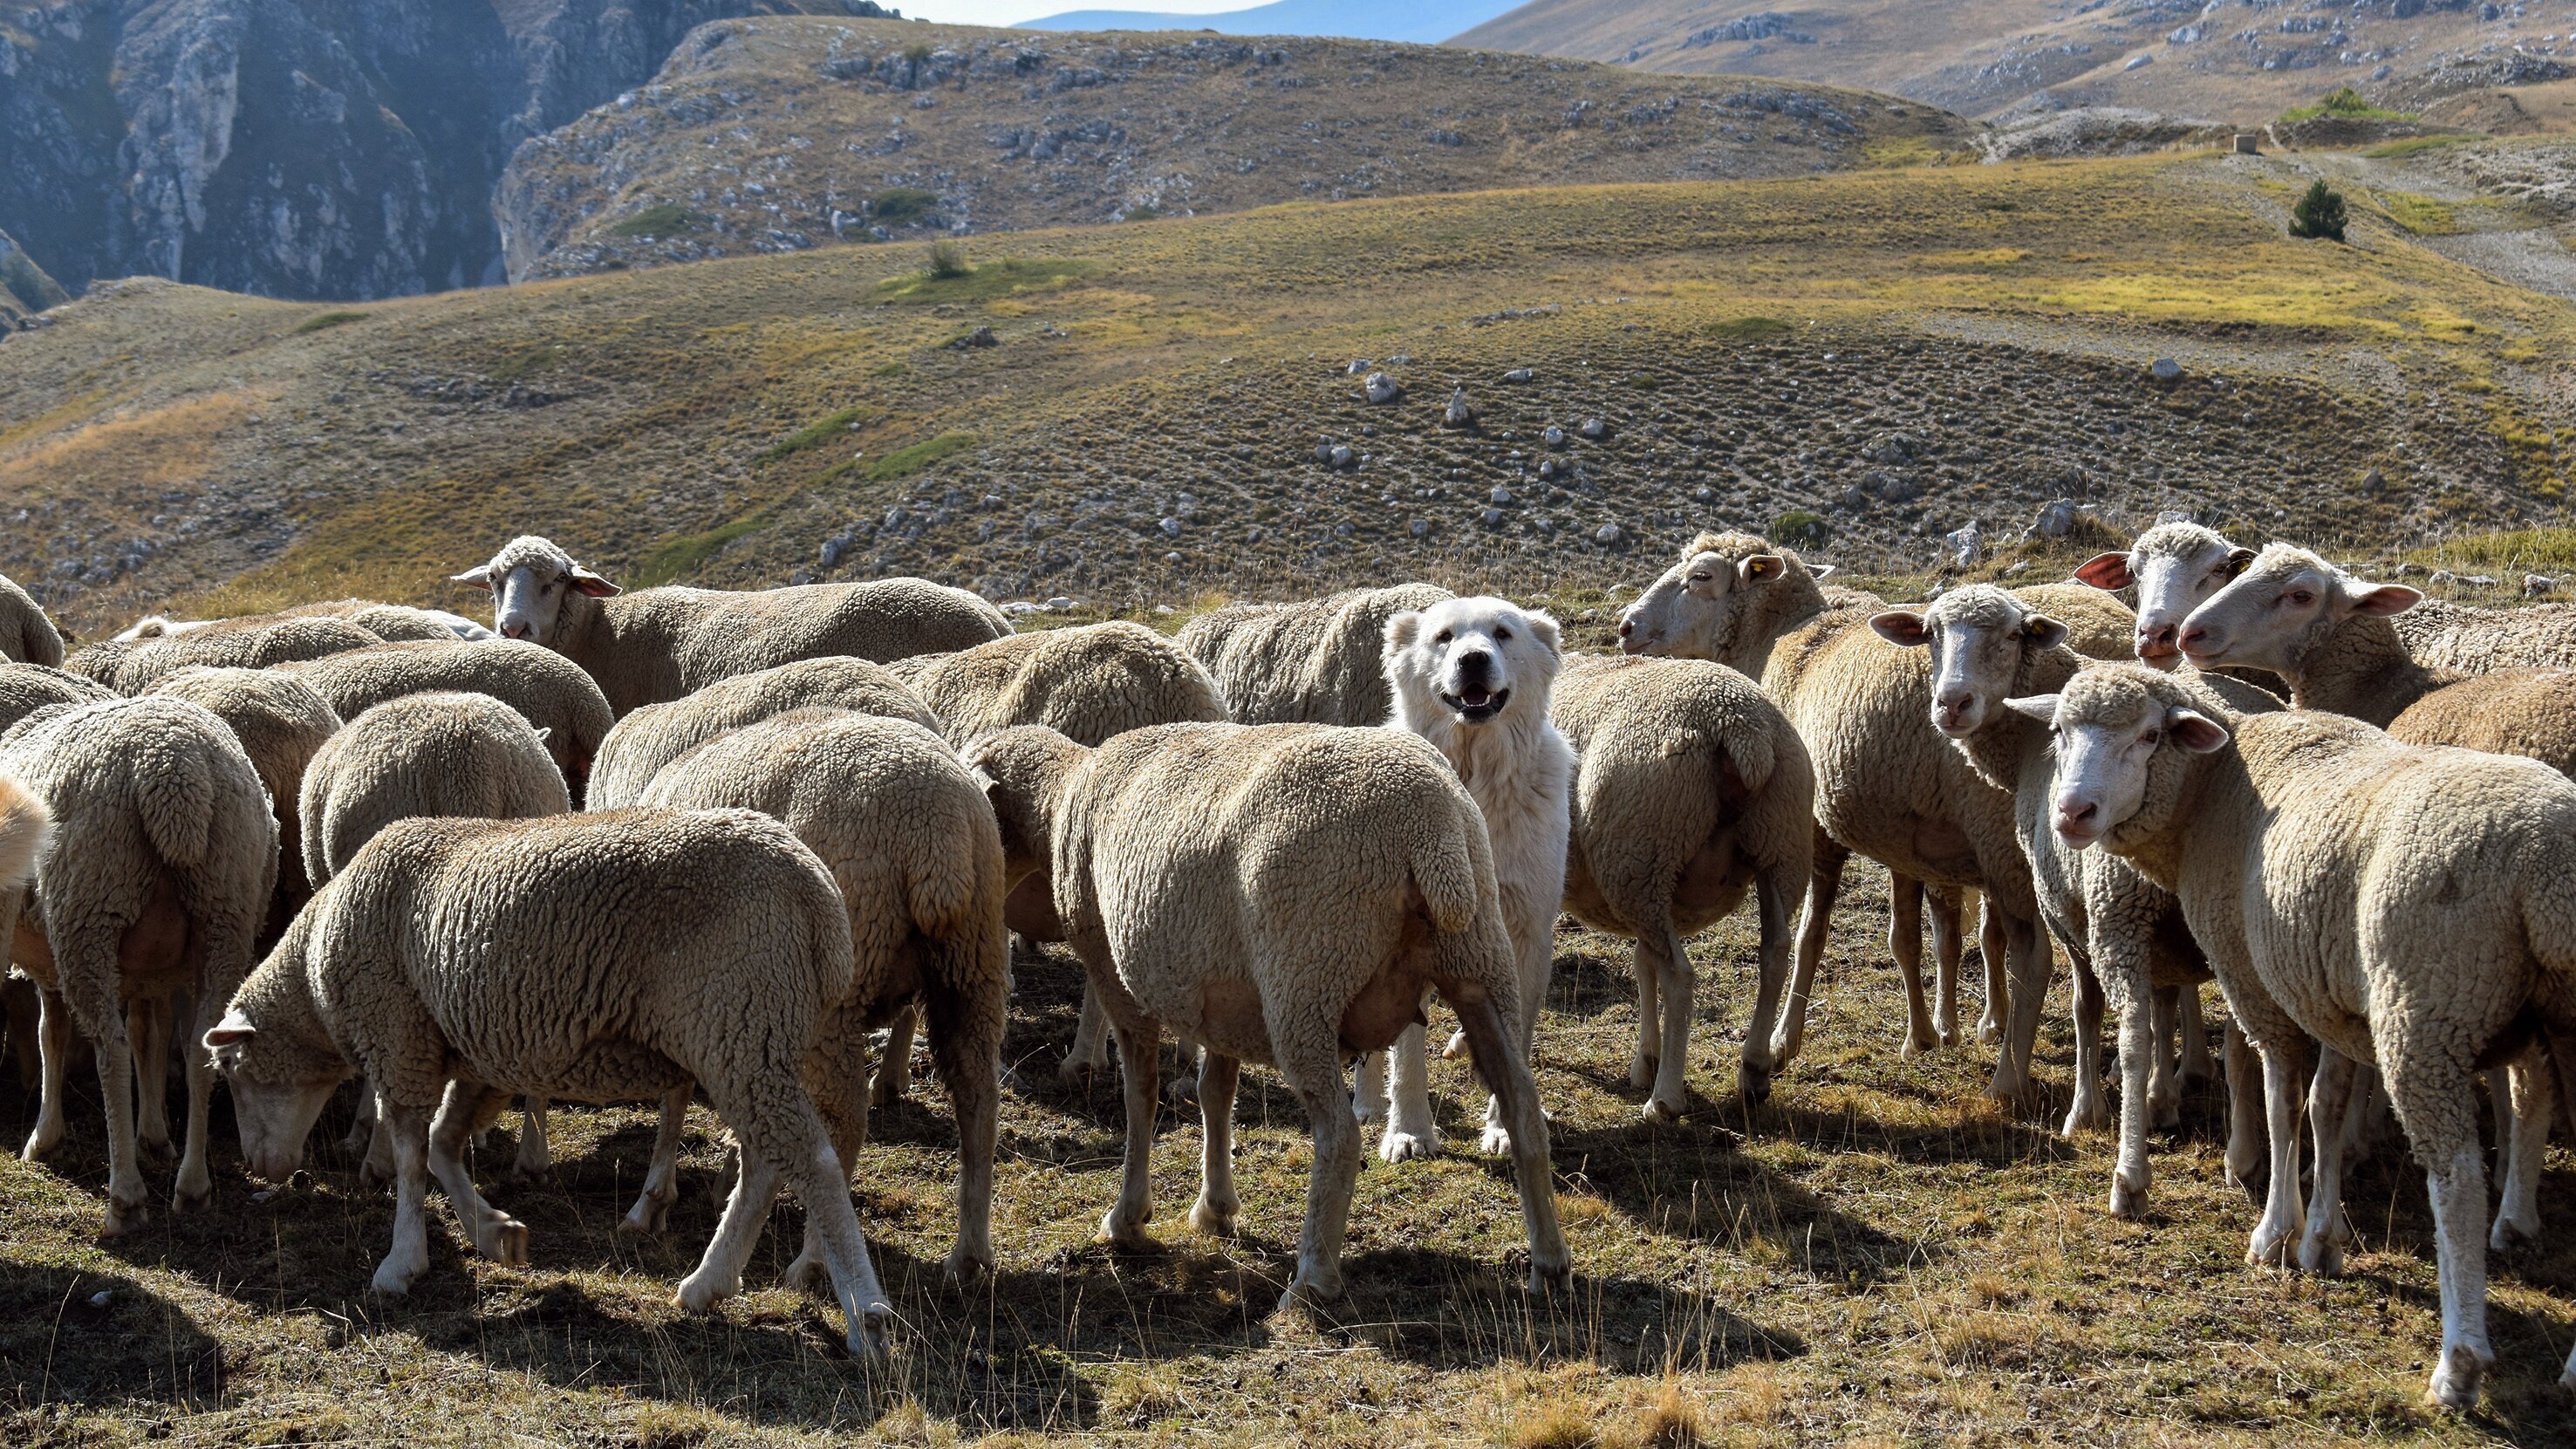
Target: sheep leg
point(1139, 1049)
point(2164, 1089)
point(195, 1186)
point(2525, 1106)
point(2433, 1100)
point(535, 1153)
point(2321, 1247)
point(2133, 1175)
point(1996, 953)
point(1534, 950)
point(2284, 1053)
point(2027, 949)
point(362, 1121)
point(147, 1027)
point(1681, 988)
point(378, 1168)
point(468, 1105)
point(1905, 943)
point(894, 1070)
point(2248, 1155)
point(1410, 1130)
point(1824, 884)
point(966, 1027)
point(409, 1127)
point(662, 1179)
point(125, 1192)
point(2196, 1066)
point(25, 1014)
point(1090, 1050)
point(1773, 889)
point(1647, 1065)
point(1368, 1093)
point(1948, 945)
point(1508, 1075)
point(777, 1122)
point(1312, 1070)
point(1218, 1205)
point(53, 1049)
point(2087, 1111)
point(718, 1275)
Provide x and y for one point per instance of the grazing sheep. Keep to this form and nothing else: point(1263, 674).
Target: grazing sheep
point(908, 837)
point(27, 633)
point(2408, 906)
point(646, 739)
point(657, 645)
point(604, 957)
point(2121, 930)
point(256, 642)
point(1689, 785)
point(1316, 662)
point(1280, 893)
point(397, 623)
point(1474, 677)
point(1087, 683)
point(161, 869)
point(280, 722)
point(550, 692)
point(2098, 626)
point(27, 688)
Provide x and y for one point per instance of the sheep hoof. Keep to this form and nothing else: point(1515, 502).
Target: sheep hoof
point(1368, 1109)
point(886, 1090)
point(1214, 1220)
point(1753, 1083)
point(805, 1273)
point(1659, 1113)
point(123, 1218)
point(394, 1278)
point(1642, 1071)
point(2270, 1248)
point(2129, 1204)
point(872, 1332)
point(2317, 1255)
point(40, 1145)
point(1075, 1073)
point(1919, 1044)
point(187, 1199)
point(505, 1241)
point(2456, 1378)
point(1456, 1050)
point(1545, 1278)
point(966, 1265)
point(2084, 1117)
point(2509, 1235)
point(646, 1218)
point(700, 1292)
point(156, 1148)
point(1406, 1146)
point(1119, 1231)
point(1311, 1294)
point(1989, 1032)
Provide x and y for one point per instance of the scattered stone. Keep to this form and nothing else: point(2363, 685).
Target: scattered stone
point(1595, 429)
point(1500, 495)
point(2535, 585)
point(1358, 366)
point(1421, 528)
point(2056, 518)
point(2373, 481)
point(1610, 535)
point(2018, 566)
point(1343, 457)
point(2478, 581)
point(2166, 370)
point(1554, 437)
point(1550, 469)
point(1060, 604)
point(980, 337)
point(1382, 388)
point(1171, 558)
point(2403, 570)
point(1171, 527)
point(1520, 375)
point(1021, 609)
point(1493, 517)
point(1459, 415)
point(1965, 544)
point(1703, 494)
point(895, 518)
point(833, 547)
point(2441, 577)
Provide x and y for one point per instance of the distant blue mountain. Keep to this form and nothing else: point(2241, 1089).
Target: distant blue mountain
point(1425, 22)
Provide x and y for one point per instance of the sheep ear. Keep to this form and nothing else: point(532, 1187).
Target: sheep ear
point(2195, 731)
point(480, 576)
point(2041, 707)
point(1762, 568)
point(1901, 627)
point(1823, 571)
point(2044, 631)
point(1402, 630)
point(2239, 560)
point(233, 1030)
point(544, 733)
point(592, 584)
point(2106, 571)
point(2387, 599)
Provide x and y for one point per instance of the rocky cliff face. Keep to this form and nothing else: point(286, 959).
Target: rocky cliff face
point(301, 148)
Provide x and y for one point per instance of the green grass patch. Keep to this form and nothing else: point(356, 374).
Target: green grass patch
point(1800, 529)
point(813, 435)
point(2344, 104)
point(986, 283)
point(321, 321)
point(533, 359)
point(2412, 146)
point(1749, 329)
point(683, 556)
point(2539, 550)
point(656, 222)
point(2421, 215)
point(1139, 212)
point(901, 206)
point(904, 462)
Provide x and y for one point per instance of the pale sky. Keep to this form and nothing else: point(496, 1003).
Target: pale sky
point(1011, 12)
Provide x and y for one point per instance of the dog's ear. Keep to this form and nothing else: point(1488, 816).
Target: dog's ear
point(1543, 627)
point(1402, 630)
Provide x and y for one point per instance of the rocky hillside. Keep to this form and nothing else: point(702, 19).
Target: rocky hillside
point(779, 135)
point(1869, 360)
point(24, 288)
point(1424, 22)
point(301, 148)
point(2226, 60)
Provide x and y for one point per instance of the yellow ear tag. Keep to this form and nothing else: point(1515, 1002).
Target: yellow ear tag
point(1760, 568)
point(2034, 628)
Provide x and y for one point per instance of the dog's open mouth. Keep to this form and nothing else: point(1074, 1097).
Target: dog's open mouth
point(1476, 706)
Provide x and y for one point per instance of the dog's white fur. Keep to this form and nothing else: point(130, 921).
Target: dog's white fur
point(1520, 772)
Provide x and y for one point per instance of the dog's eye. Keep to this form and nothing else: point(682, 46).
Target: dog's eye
point(1502, 635)
point(1440, 638)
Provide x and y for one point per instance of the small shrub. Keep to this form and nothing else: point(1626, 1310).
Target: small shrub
point(902, 206)
point(2344, 104)
point(1139, 212)
point(532, 359)
point(947, 261)
point(1749, 329)
point(320, 320)
point(1800, 529)
point(656, 222)
point(2319, 214)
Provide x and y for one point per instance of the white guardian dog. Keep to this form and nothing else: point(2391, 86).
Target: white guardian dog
point(1473, 676)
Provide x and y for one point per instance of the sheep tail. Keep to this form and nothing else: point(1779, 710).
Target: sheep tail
point(1445, 876)
point(26, 828)
point(178, 810)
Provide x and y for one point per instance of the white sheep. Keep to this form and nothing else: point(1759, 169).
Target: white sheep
point(27, 688)
point(255, 642)
point(27, 632)
point(1279, 893)
point(601, 957)
point(654, 735)
point(1315, 662)
point(552, 693)
point(2409, 906)
point(280, 722)
point(163, 861)
point(659, 644)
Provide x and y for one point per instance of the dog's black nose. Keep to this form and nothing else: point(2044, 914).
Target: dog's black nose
point(1476, 671)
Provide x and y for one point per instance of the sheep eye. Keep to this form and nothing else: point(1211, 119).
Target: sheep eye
point(2150, 737)
point(2302, 598)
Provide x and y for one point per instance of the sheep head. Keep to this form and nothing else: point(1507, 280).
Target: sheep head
point(1728, 598)
point(2123, 737)
point(1981, 639)
point(2280, 609)
point(531, 580)
point(277, 1058)
point(2175, 567)
point(1024, 771)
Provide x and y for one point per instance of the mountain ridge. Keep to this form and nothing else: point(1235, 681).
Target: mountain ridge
point(1425, 22)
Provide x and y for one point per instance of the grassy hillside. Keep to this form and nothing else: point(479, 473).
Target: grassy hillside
point(776, 134)
point(1982, 56)
point(1895, 352)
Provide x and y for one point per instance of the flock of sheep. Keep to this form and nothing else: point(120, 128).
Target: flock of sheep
point(641, 847)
